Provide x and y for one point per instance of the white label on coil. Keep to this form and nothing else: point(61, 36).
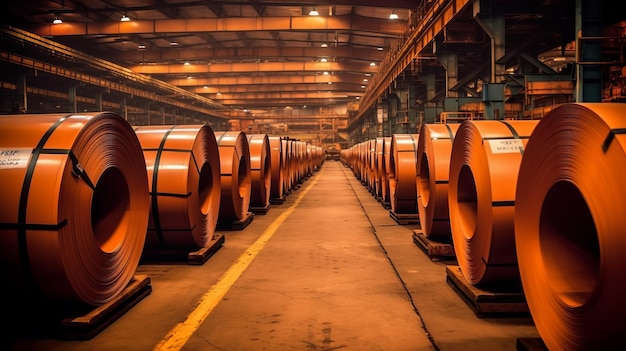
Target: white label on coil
point(14, 158)
point(505, 146)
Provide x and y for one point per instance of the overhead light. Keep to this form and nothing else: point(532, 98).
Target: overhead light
point(373, 64)
point(379, 48)
point(186, 63)
point(323, 59)
point(141, 46)
point(362, 86)
point(324, 45)
point(326, 73)
point(125, 18)
point(330, 82)
point(57, 20)
point(393, 15)
point(314, 12)
point(173, 43)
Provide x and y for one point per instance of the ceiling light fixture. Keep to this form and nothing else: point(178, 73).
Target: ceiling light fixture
point(393, 15)
point(57, 20)
point(323, 59)
point(125, 18)
point(324, 45)
point(314, 12)
point(372, 64)
point(141, 46)
point(173, 43)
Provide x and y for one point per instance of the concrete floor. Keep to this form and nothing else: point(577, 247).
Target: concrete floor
point(328, 269)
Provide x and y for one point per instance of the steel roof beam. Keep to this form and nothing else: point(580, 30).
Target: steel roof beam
point(216, 54)
point(230, 24)
point(274, 88)
point(244, 81)
point(255, 68)
point(284, 96)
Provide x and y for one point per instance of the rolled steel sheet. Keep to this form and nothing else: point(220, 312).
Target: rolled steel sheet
point(570, 223)
point(386, 193)
point(277, 190)
point(484, 164)
point(434, 148)
point(235, 176)
point(377, 166)
point(75, 206)
point(260, 169)
point(403, 173)
point(287, 161)
point(370, 157)
point(184, 180)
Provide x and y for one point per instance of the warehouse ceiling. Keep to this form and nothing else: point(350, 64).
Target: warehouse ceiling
point(242, 55)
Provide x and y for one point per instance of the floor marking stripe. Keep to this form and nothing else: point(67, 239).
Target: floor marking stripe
point(180, 334)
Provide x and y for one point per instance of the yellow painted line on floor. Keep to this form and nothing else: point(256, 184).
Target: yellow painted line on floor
point(178, 336)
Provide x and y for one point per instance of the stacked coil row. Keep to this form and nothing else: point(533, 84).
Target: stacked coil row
point(85, 195)
point(533, 202)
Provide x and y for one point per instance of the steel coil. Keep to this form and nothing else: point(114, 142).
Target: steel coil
point(434, 148)
point(570, 223)
point(235, 176)
point(277, 187)
point(184, 179)
point(260, 168)
point(75, 206)
point(484, 164)
point(403, 173)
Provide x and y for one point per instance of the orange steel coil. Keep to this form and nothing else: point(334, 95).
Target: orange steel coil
point(484, 164)
point(184, 180)
point(236, 177)
point(570, 223)
point(277, 187)
point(378, 166)
point(260, 168)
point(287, 162)
point(403, 173)
point(434, 148)
point(386, 193)
point(75, 206)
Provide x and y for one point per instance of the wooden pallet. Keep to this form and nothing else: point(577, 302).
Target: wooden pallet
point(530, 344)
point(198, 257)
point(260, 210)
point(437, 251)
point(91, 323)
point(201, 256)
point(486, 303)
point(277, 200)
point(237, 225)
point(405, 218)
